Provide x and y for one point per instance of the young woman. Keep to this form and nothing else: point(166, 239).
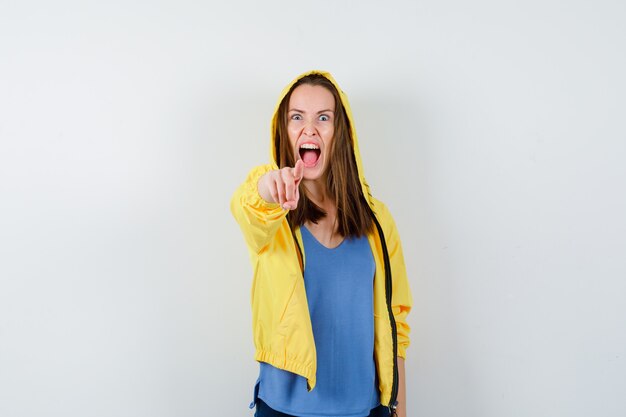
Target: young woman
point(330, 294)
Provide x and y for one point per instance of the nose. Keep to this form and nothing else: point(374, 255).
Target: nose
point(309, 129)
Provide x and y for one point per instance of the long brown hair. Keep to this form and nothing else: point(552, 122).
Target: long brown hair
point(354, 216)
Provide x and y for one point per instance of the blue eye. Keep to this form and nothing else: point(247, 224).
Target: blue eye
point(324, 118)
point(296, 117)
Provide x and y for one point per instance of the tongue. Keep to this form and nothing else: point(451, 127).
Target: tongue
point(309, 158)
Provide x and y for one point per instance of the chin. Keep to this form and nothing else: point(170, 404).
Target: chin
point(313, 173)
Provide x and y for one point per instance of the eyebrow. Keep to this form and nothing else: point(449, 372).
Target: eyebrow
point(321, 111)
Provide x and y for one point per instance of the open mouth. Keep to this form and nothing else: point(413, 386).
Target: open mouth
point(309, 153)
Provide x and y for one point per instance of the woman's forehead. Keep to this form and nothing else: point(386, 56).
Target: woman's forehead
point(309, 97)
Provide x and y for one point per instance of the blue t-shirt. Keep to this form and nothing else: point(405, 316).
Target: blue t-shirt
point(339, 289)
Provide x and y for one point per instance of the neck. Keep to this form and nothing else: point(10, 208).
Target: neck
point(325, 230)
point(316, 190)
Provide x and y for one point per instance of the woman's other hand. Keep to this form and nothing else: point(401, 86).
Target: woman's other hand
point(281, 186)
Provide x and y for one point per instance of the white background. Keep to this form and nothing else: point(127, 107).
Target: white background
point(494, 130)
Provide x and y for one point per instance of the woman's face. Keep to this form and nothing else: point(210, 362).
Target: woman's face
point(310, 126)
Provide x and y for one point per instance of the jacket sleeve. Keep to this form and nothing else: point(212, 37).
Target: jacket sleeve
point(258, 219)
point(401, 300)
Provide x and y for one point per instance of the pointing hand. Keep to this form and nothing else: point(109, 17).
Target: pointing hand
point(281, 186)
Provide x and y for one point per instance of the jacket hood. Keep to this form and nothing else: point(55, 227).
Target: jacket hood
point(346, 106)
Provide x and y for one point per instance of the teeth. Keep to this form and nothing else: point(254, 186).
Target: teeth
point(309, 146)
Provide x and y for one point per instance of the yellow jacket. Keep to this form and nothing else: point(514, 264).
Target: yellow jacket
point(283, 336)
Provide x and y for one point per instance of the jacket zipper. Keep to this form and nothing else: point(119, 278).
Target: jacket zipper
point(393, 402)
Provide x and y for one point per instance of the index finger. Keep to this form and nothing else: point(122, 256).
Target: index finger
point(298, 170)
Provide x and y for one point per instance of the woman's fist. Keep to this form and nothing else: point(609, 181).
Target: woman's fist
point(281, 186)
